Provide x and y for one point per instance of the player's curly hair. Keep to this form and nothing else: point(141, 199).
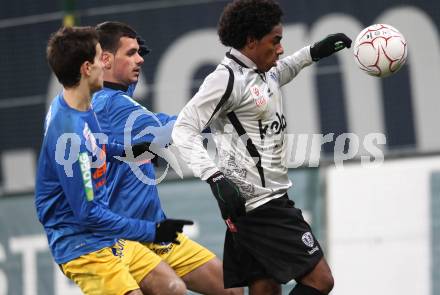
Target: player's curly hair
point(247, 18)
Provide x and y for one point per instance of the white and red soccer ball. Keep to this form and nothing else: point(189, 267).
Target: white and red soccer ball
point(380, 50)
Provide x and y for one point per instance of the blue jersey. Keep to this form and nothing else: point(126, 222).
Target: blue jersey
point(116, 111)
point(71, 194)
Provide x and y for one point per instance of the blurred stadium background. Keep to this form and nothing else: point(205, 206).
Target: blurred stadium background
point(379, 224)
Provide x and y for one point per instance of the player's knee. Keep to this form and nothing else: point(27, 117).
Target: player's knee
point(274, 289)
point(322, 281)
point(265, 286)
point(177, 287)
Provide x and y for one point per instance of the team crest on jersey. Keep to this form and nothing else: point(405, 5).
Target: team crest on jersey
point(88, 135)
point(308, 240)
point(257, 95)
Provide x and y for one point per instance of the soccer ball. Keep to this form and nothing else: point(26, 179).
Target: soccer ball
point(380, 50)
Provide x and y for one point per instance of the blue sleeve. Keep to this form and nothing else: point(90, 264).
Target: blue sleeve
point(114, 150)
point(126, 114)
point(79, 191)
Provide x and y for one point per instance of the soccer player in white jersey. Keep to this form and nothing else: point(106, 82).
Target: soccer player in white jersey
point(268, 242)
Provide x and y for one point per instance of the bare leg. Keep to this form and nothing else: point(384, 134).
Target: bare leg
point(208, 279)
point(264, 287)
point(319, 278)
point(162, 280)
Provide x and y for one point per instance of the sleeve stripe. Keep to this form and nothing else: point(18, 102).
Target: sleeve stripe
point(247, 141)
point(225, 96)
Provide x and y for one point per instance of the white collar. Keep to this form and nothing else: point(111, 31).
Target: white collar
point(244, 59)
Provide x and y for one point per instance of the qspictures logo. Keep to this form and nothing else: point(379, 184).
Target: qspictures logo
point(286, 150)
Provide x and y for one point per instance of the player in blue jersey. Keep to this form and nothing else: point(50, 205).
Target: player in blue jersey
point(71, 193)
point(135, 195)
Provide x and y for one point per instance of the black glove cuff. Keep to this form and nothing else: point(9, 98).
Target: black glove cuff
point(216, 177)
point(314, 53)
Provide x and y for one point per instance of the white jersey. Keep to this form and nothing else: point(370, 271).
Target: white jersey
point(244, 110)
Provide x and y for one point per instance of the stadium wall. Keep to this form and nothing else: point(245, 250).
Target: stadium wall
point(383, 227)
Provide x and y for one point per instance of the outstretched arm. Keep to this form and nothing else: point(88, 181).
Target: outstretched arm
point(291, 65)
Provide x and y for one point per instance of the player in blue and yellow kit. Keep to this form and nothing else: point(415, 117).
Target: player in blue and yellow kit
point(135, 195)
point(71, 193)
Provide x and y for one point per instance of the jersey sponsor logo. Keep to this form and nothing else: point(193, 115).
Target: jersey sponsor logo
point(257, 95)
point(88, 135)
point(84, 163)
point(275, 127)
point(100, 171)
point(307, 239)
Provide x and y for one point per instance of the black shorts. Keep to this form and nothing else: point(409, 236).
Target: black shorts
point(272, 241)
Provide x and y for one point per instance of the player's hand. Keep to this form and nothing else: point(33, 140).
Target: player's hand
point(329, 45)
point(138, 149)
point(167, 230)
point(229, 199)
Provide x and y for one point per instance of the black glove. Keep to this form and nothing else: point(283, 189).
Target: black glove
point(329, 45)
point(166, 231)
point(138, 149)
point(231, 203)
point(143, 49)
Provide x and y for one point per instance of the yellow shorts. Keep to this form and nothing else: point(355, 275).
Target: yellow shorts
point(118, 269)
point(183, 258)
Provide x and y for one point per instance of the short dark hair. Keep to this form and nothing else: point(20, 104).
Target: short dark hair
point(111, 31)
point(67, 49)
point(247, 18)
